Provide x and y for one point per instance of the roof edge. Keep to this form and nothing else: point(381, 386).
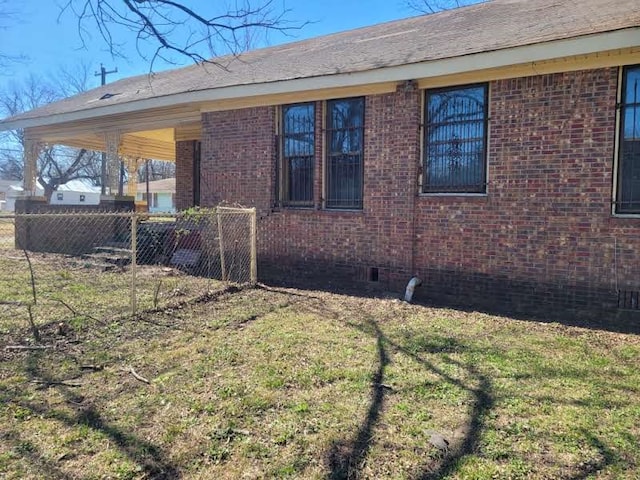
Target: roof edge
point(582, 45)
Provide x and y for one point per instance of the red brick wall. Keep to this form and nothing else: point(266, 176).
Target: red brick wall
point(544, 233)
point(339, 242)
point(184, 174)
point(238, 158)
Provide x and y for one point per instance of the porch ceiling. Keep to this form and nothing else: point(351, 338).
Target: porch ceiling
point(134, 145)
point(153, 135)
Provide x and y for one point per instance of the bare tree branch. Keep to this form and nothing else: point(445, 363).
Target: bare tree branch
point(158, 170)
point(433, 6)
point(57, 164)
point(8, 16)
point(165, 29)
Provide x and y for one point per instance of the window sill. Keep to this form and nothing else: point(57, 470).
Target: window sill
point(343, 210)
point(626, 215)
point(296, 207)
point(453, 194)
point(331, 211)
point(284, 209)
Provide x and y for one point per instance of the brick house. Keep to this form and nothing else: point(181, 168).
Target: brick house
point(491, 150)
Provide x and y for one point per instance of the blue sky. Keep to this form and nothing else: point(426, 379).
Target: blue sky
point(50, 43)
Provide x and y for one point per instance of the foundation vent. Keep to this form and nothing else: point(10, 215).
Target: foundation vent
point(629, 299)
point(374, 275)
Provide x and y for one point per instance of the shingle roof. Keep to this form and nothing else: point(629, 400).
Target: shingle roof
point(164, 185)
point(485, 27)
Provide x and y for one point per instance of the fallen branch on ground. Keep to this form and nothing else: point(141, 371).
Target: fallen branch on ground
point(27, 347)
point(383, 385)
point(48, 383)
point(76, 313)
point(92, 367)
point(138, 376)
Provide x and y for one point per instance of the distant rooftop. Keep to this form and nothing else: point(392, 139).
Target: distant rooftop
point(167, 185)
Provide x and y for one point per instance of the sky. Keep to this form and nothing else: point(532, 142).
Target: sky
point(50, 43)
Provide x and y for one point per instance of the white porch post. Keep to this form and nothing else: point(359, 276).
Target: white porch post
point(132, 169)
point(112, 144)
point(32, 149)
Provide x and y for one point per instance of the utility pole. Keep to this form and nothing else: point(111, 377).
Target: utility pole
point(103, 165)
point(103, 74)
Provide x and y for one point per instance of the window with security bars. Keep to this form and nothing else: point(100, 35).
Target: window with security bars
point(298, 153)
point(628, 189)
point(345, 148)
point(455, 143)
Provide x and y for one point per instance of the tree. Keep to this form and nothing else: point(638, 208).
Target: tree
point(433, 6)
point(164, 28)
point(8, 15)
point(57, 164)
point(158, 170)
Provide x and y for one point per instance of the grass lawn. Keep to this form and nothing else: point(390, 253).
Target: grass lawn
point(6, 230)
point(71, 284)
point(266, 383)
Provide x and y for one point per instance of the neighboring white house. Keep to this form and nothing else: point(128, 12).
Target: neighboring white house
point(75, 192)
point(15, 191)
point(162, 195)
point(5, 186)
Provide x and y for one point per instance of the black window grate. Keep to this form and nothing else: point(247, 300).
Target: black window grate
point(345, 147)
point(628, 198)
point(455, 140)
point(629, 299)
point(298, 154)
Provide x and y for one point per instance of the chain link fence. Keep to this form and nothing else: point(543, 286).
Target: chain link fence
point(56, 266)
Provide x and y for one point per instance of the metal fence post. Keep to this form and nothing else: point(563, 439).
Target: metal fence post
point(254, 262)
point(134, 248)
point(221, 246)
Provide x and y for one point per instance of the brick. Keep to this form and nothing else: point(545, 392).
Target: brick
point(543, 234)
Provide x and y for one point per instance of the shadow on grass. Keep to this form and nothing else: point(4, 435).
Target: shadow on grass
point(606, 320)
point(589, 469)
point(483, 402)
point(150, 458)
point(29, 452)
point(345, 458)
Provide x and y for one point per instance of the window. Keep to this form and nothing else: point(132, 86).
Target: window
point(455, 140)
point(82, 198)
point(59, 196)
point(344, 169)
point(628, 191)
point(298, 153)
point(152, 201)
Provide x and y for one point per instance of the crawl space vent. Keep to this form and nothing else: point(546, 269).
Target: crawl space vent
point(629, 299)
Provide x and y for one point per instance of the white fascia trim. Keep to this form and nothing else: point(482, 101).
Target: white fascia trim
point(626, 38)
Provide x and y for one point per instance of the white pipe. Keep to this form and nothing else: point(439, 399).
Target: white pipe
point(411, 286)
